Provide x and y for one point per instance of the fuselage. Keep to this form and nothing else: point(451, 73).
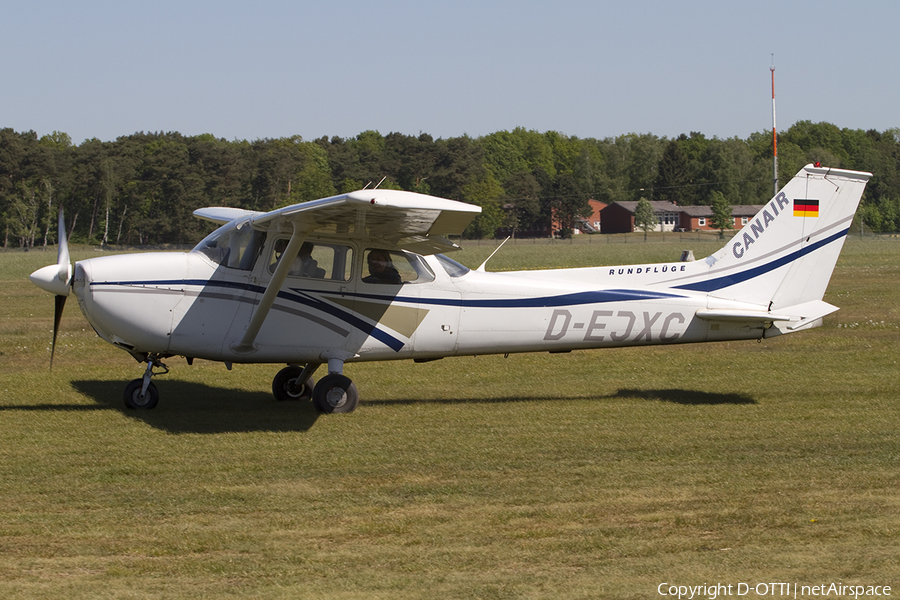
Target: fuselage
point(198, 304)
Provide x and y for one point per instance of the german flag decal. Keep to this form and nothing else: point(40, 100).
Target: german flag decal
point(806, 208)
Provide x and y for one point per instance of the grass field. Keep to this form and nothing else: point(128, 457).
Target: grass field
point(596, 474)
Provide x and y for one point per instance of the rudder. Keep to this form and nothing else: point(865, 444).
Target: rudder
point(785, 255)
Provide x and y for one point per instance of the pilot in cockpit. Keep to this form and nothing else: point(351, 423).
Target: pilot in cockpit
point(304, 264)
point(381, 268)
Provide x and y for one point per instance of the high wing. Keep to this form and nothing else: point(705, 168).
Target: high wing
point(390, 218)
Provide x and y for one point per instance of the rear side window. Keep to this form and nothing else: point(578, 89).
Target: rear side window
point(314, 260)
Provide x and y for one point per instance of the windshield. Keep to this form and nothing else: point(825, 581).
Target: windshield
point(453, 268)
point(236, 246)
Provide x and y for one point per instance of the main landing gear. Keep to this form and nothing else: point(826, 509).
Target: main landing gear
point(334, 393)
point(294, 383)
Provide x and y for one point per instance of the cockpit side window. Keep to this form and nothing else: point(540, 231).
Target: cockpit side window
point(392, 267)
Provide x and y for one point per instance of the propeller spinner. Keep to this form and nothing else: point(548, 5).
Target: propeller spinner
point(56, 279)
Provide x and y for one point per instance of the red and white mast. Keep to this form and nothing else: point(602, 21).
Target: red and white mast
point(774, 131)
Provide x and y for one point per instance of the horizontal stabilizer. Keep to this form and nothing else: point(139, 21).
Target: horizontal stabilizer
point(795, 317)
point(750, 316)
point(808, 312)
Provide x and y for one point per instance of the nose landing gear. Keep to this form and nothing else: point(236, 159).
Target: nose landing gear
point(142, 393)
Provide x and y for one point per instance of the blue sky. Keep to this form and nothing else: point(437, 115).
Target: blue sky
point(251, 70)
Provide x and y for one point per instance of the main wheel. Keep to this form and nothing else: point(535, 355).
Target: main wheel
point(284, 385)
point(133, 399)
point(335, 394)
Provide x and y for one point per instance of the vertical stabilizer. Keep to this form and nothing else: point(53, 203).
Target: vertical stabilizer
point(785, 255)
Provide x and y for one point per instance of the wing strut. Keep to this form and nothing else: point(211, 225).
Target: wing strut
point(246, 345)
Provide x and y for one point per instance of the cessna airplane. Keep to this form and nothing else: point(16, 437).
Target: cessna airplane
point(362, 276)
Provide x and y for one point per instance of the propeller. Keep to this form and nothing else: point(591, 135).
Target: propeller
point(56, 279)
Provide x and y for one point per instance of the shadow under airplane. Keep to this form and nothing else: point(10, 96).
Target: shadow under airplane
point(200, 408)
point(676, 396)
point(686, 397)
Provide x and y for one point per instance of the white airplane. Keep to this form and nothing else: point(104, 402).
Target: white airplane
point(362, 277)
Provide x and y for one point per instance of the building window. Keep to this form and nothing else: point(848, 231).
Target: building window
point(701, 221)
point(668, 219)
point(745, 220)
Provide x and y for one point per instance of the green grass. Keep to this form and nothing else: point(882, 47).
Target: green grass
point(585, 475)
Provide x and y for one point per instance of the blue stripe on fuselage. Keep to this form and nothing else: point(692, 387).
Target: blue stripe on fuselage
point(711, 285)
point(573, 299)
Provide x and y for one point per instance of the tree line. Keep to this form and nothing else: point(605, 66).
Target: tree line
point(141, 189)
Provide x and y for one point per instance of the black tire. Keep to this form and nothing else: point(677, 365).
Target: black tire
point(335, 394)
point(133, 398)
point(284, 385)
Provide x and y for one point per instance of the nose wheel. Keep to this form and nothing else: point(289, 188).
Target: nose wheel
point(136, 399)
point(142, 393)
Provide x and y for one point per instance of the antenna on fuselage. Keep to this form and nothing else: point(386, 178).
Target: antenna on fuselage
point(481, 268)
